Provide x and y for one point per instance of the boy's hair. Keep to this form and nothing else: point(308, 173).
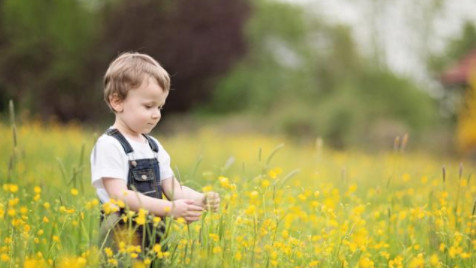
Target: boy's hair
point(128, 71)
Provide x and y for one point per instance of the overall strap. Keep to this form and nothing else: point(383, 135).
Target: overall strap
point(116, 134)
point(153, 145)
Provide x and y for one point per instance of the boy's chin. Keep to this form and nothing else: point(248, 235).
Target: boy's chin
point(148, 130)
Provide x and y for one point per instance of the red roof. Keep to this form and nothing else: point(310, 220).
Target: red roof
point(459, 73)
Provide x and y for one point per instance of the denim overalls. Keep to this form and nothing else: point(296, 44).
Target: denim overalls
point(143, 177)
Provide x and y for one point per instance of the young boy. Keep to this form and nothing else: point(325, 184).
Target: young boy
point(131, 167)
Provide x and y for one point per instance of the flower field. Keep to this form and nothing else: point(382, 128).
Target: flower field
point(283, 204)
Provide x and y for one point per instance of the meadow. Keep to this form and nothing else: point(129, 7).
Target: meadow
point(283, 204)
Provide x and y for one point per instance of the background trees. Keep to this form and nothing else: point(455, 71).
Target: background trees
point(275, 65)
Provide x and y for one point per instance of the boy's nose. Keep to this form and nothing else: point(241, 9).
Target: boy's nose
point(156, 114)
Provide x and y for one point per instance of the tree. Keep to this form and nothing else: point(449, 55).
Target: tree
point(55, 53)
point(307, 78)
point(43, 47)
point(196, 41)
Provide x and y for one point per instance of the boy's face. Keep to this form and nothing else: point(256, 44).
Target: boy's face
point(140, 112)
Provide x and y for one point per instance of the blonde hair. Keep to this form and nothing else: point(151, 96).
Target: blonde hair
point(128, 71)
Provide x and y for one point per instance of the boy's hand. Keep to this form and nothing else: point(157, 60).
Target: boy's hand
point(187, 209)
point(211, 200)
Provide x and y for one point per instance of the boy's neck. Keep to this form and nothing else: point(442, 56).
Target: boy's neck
point(129, 134)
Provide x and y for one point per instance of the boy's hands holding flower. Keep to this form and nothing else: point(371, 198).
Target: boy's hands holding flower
point(211, 201)
point(186, 209)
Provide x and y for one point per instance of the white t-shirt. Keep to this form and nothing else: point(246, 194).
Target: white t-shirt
point(109, 160)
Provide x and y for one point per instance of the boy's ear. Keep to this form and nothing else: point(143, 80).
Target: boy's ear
point(116, 103)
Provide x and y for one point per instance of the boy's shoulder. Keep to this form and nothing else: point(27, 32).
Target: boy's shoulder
point(106, 138)
point(108, 141)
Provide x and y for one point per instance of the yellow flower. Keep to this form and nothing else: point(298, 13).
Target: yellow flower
point(207, 189)
point(274, 173)
point(417, 261)
point(250, 210)
point(108, 252)
point(56, 238)
point(5, 257)
point(23, 210)
point(442, 247)
point(224, 182)
point(434, 261)
point(238, 256)
point(37, 190)
point(13, 202)
point(214, 237)
point(74, 192)
point(32, 263)
point(13, 188)
point(265, 183)
point(140, 220)
point(366, 262)
point(109, 208)
point(216, 250)
point(424, 179)
point(11, 212)
point(156, 220)
point(157, 249)
point(113, 262)
point(285, 234)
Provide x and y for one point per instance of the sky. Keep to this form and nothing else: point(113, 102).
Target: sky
point(400, 28)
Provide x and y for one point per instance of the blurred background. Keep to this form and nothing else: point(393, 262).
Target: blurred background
point(357, 73)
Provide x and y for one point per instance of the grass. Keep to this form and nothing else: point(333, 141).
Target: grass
point(283, 205)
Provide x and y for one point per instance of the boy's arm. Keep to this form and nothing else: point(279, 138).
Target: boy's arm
point(175, 191)
point(185, 208)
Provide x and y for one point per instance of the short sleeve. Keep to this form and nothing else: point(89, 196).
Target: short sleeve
point(108, 160)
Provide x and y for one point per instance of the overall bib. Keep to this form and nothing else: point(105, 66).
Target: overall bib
point(143, 177)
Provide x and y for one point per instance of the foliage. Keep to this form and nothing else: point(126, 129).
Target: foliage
point(300, 75)
point(343, 209)
point(54, 54)
point(196, 41)
point(309, 79)
point(45, 50)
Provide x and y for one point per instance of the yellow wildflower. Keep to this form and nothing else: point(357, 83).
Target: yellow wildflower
point(434, 261)
point(274, 173)
point(4, 257)
point(37, 189)
point(74, 192)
